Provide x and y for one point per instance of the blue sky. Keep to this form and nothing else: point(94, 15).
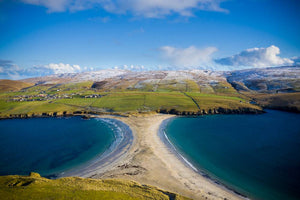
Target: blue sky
point(40, 37)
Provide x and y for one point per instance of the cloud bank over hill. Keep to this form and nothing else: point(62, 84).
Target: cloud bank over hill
point(176, 59)
point(256, 57)
point(296, 60)
point(62, 68)
point(10, 70)
point(193, 57)
point(144, 8)
point(188, 57)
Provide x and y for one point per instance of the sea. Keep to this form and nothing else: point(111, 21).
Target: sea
point(51, 146)
point(257, 156)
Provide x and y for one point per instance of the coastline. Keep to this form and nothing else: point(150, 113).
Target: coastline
point(122, 143)
point(87, 114)
point(141, 155)
point(150, 161)
point(163, 136)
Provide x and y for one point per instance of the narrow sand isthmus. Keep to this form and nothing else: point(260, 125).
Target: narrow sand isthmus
point(150, 161)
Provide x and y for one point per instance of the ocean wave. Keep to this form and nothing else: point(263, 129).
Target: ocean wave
point(114, 126)
point(183, 158)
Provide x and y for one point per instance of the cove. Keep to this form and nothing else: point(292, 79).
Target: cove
point(255, 155)
point(52, 145)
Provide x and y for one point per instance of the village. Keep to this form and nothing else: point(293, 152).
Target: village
point(46, 97)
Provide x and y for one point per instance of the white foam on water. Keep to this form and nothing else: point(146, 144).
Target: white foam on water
point(185, 160)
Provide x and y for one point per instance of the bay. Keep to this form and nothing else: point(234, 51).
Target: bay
point(51, 145)
point(255, 155)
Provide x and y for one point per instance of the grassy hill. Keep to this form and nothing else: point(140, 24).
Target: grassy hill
point(185, 93)
point(129, 92)
point(35, 187)
point(126, 103)
point(10, 85)
point(281, 101)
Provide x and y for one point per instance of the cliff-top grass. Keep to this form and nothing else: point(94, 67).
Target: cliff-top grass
point(128, 102)
point(72, 97)
point(36, 187)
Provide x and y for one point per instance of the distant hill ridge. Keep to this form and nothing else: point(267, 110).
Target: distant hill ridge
point(10, 85)
point(271, 80)
point(184, 92)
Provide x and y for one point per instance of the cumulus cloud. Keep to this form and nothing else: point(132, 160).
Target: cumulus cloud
point(9, 70)
point(256, 57)
point(145, 8)
point(188, 57)
point(61, 68)
point(296, 60)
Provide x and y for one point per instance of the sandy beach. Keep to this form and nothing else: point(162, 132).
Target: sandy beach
point(148, 160)
point(117, 150)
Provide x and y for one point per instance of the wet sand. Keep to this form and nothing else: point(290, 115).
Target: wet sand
point(149, 160)
point(120, 147)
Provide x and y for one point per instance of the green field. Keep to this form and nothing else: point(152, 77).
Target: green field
point(172, 97)
point(36, 187)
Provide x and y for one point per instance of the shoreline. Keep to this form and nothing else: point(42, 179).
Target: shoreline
point(143, 157)
point(83, 113)
point(163, 136)
point(122, 143)
point(150, 161)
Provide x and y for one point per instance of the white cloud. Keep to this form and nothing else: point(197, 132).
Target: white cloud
point(62, 68)
point(159, 8)
point(256, 57)
point(296, 60)
point(145, 8)
point(188, 57)
point(52, 5)
point(9, 70)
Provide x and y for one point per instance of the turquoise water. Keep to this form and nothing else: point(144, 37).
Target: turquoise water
point(256, 155)
point(51, 145)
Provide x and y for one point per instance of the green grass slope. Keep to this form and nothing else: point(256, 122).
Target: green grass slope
point(35, 187)
point(281, 101)
point(10, 85)
point(185, 97)
point(126, 103)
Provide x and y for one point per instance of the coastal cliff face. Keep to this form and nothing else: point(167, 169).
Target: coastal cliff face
point(220, 110)
point(242, 110)
point(32, 115)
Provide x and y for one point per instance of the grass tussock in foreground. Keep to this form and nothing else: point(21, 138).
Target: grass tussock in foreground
point(36, 187)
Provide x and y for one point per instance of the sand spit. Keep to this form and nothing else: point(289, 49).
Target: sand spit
point(150, 161)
